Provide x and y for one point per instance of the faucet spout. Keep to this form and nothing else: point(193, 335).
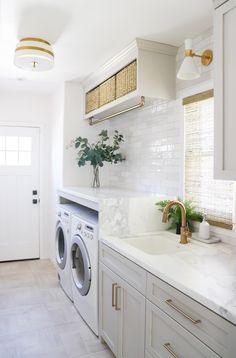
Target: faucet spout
point(184, 227)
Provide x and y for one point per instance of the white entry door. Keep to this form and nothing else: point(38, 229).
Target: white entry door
point(19, 193)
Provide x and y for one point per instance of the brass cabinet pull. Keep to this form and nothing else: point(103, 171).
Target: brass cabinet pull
point(116, 294)
point(172, 305)
point(113, 295)
point(167, 346)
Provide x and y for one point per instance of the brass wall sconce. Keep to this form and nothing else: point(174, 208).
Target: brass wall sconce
point(188, 69)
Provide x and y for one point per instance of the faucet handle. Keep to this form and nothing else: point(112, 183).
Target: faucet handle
point(188, 232)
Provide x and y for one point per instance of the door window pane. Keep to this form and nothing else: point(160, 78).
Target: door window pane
point(25, 144)
point(12, 143)
point(11, 158)
point(15, 150)
point(2, 143)
point(24, 158)
point(2, 158)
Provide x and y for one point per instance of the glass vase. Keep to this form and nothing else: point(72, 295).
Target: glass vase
point(96, 180)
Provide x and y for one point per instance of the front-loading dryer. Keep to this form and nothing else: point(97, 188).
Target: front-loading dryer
point(84, 266)
point(63, 245)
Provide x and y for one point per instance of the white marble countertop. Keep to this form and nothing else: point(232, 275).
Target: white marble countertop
point(96, 194)
point(92, 197)
point(207, 273)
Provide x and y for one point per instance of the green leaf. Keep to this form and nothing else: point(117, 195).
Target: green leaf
point(100, 152)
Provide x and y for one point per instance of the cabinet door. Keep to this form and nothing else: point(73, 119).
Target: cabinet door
point(165, 338)
point(224, 90)
point(108, 315)
point(131, 322)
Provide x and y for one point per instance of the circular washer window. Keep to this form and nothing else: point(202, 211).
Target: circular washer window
point(61, 250)
point(81, 268)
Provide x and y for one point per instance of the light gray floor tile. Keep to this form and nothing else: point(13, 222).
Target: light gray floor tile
point(37, 320)
point(104, 354)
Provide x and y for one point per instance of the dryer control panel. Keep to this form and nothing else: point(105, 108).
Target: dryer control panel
point(85, 230)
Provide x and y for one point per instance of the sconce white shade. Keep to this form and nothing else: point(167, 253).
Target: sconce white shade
point(188, 70)
point(34, 54)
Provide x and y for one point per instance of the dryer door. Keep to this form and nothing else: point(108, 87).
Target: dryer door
point(61, 246)
point(81, 268)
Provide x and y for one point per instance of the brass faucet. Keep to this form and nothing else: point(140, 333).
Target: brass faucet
point(184, 231)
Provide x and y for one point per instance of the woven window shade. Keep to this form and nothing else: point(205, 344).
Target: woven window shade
point(213, 197)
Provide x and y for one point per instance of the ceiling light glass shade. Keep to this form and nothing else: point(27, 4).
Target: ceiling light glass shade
point(34, 54)
point(188, 70)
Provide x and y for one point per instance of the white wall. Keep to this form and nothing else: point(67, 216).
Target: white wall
point(56, 162)
point(66, 124)
point(18, 107)
point(74, 126)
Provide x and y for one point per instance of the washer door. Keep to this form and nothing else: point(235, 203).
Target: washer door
point(81, 268)
point(61, 247)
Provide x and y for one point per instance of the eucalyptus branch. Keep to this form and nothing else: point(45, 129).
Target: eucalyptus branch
point(100, 152)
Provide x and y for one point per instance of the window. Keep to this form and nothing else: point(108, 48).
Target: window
point(15, 151)
point(213, 197)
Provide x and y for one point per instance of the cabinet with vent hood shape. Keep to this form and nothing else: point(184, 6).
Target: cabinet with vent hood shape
point(143, 69)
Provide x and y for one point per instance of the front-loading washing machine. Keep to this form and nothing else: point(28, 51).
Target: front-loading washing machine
point(84, 266)
point(63, 245)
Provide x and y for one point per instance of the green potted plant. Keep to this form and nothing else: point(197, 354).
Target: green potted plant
point(98, 153)
point(174, 217)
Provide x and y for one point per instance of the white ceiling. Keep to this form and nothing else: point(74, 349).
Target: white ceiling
point(86, 33)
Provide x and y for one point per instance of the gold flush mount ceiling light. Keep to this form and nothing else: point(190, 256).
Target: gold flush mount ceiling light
point(189, 70)
point(34, 54)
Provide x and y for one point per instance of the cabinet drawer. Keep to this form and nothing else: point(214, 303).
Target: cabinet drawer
point(165, 338)
point(210, 328)
point(123, 267)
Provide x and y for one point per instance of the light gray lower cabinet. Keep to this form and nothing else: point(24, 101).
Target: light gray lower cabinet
point(147, 355)
point(166, 338)
point(122, 315)
point(207, 326)
point(108, 315)
point(143, 316)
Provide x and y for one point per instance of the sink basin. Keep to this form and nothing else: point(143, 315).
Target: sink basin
point(156, 244)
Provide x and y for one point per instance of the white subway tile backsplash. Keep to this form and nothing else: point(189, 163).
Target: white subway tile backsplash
point(151, 140)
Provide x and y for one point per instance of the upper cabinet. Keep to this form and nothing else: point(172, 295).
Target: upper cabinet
point(225, 89)
point(142, 71)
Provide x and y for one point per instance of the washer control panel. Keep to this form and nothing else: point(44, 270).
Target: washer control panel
point(88, 232)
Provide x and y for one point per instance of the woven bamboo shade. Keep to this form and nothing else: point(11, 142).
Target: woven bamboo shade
point(107, 91)
point(214, 197)
point(92, 100)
